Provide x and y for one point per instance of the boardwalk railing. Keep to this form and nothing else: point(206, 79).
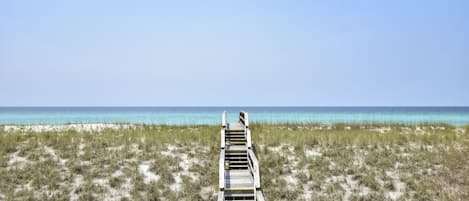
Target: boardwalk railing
point(223, 119)
point(254, 168)
point(239, 172)
point(243, 119)
point(221, 172)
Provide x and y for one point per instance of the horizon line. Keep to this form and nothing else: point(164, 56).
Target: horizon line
point(215, 106)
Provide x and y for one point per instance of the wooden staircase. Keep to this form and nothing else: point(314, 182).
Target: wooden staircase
point(239, 177)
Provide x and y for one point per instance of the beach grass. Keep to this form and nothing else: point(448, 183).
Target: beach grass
point(298, 162)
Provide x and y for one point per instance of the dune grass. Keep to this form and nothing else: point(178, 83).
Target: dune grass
point(298, 162)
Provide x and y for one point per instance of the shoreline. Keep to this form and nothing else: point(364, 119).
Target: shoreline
point(99, 127)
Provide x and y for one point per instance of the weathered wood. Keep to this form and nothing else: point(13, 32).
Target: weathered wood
point(235, 127)
point(243, 118)
point(255, 168)
point(222, 138)
point(236, 148)
point(246, 119)
point(260, 196)
point(238, 179)
point(221, 196)
point(248, 138)
point(221, 170)
point(239, 176)
point(223, 119)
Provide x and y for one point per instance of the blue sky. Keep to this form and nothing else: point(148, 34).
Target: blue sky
point(234, 53)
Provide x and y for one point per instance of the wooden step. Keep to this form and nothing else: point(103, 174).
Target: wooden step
point(235, 127)
point(245, 195)
point(237, 159)
point(243, 155)
point(234, 133)
point(235, 141)
point(236, 148)
point(232, 143)
point(235, 138)
point(237, 162)
point(232, 167)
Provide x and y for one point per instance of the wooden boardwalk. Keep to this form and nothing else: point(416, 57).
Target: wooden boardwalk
point(239, 177)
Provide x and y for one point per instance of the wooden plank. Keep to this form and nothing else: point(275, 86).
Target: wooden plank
point(221, 196)
point(236, 148)
point(260, 196)
point(238, 179)
point(239, 185)
point(246, 120)
point(238, 173)
point(255, 168)
point(235, 127)
point(223, 119)
point(221, 170)
point(238, 194)
point(239, 189)
point(248, 138)
point(222, 138)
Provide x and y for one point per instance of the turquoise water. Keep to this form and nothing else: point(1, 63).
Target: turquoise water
point(212, 115)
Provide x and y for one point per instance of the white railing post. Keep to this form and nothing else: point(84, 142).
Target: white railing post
point(223, 119)
point(243, 118)
point(260, 196)
point(246, 120)
point(248, 138)
point(255, 194)
point(222, 138)
point(221, 170)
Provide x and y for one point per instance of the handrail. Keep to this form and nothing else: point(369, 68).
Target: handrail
point(243, 118)
point(248, 138)
point(260, 196)
point(221, 196)
point(254, 168)
point(246, 119)
point(221, 170)
point(223, 119)
point(222, 138)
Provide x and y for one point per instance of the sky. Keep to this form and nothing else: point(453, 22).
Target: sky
point(234, 53)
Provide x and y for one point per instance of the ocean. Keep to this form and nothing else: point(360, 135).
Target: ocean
point(212, 115)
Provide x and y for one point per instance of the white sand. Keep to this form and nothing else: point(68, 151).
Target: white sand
point(100, 181)
point(398, 185)
point(313, 153)
point(51, 151)
point(15, 159)
point(81, 146)
point(206, 192)
point(117, 173)
point(308, 190)
point(144, 169)
point(382, 129)
point(77, 181)
point(75, 127)
point(185, 163)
